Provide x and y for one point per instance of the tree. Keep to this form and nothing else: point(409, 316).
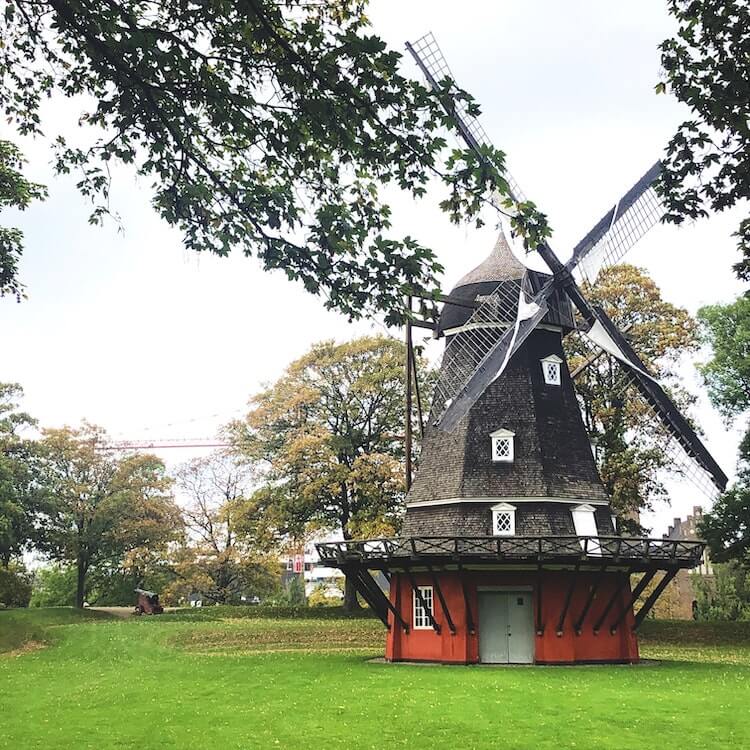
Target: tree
point(262, 126)
point(16, 192)
point(17, 485)
point(706, 66)
point(54, 586)
point(220, 561)
point(98, 505)
point(726, 329)
point(725, 596)
point(328, 440)
point(15, 585)
point(628, 445)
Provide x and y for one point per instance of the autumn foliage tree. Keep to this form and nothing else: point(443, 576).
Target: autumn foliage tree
point(630, 455)
point(97, 505)
point(328, 440)
point(220, 559)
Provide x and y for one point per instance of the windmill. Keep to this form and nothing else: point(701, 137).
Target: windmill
point(509, 551)
point(605, 245)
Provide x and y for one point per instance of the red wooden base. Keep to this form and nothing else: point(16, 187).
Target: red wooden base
point(551, 647)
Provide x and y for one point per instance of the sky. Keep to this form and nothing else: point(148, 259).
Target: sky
point(127, 329)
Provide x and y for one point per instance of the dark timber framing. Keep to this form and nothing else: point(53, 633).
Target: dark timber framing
point(539, 620)
point(593, 590)
point(469, 617)
point(446, 611)
point(655, 594)
point(418, 594)
point(637, 591)
point(568, 598)
point(611, 603)
point(362, 587)
point(632, 554)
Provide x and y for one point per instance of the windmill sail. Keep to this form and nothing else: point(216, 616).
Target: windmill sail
point(683, 442)
point(429, 57)
point(477, 356)
point(619, 229)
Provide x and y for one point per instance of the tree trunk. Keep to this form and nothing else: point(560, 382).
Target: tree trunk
point(81, 582)
point(351, 603)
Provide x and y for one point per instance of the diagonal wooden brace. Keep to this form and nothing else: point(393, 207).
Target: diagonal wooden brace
point(637, 591)
point(655, 594)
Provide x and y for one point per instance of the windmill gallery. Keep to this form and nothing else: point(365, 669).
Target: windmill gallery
point(509, 552)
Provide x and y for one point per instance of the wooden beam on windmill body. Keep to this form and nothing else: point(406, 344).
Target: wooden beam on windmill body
point(655, 594)
point(593, 590)
point(637, 591)
point(422, 602)
point(611, 603)
point(362, 588)
point(568, 598)
point(443, 604)
point(467, 604)
point(407, 422)
point(539, 618)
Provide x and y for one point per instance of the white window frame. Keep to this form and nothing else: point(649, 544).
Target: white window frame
point(419, 618)
point(504, 509)
point(552, 369)
point(503, 435)
point(584, 522)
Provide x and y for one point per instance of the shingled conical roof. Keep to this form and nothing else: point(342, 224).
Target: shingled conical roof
point(553, 468)
point(499, 265)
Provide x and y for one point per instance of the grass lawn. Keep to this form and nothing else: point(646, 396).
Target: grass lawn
point(239, 678)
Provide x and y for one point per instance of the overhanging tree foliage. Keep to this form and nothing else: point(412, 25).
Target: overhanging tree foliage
point(707, 67)
point(15, 192)
point(262, 126)
point(629, 453)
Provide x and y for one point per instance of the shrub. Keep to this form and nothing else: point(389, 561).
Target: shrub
point(15, 585)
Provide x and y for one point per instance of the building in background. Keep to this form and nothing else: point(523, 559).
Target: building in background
point(680, 601)
point(306, 561)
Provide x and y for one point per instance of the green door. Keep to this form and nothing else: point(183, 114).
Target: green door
point(506, 633)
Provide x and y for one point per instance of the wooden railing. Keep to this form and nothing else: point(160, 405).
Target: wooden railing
point(682, 553)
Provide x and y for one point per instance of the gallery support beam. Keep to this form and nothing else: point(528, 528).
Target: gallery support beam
point(361, 586)
point(568, 598)
point(611, 603)
point(443, 604)
point(469, 617)
point(539, 620)
point(655, 594)
point(593, 590)
point(427, 610)
point(637, 591)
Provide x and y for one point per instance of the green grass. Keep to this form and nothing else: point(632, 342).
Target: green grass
point(239, 678)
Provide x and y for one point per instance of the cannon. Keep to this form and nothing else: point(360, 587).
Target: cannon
point(148, 603)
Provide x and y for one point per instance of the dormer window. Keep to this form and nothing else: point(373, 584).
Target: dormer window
point(502, 445)
point(503, 519)
point(551, 369)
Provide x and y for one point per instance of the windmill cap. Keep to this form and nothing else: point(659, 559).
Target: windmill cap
point(499, 265)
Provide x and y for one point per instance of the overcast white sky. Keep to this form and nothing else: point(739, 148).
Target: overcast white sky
point(131, 331)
